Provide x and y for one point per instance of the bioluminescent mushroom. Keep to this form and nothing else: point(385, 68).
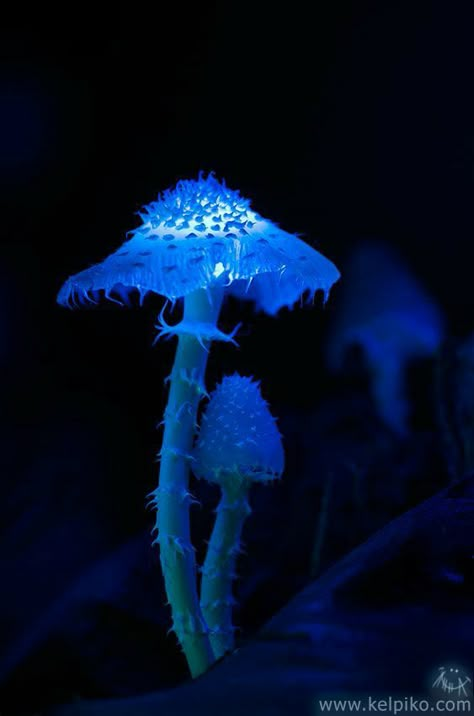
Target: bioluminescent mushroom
point(238, 444)
point(198, 242)
point(385, 311)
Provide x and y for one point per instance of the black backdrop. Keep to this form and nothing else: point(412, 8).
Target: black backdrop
point(341, 121)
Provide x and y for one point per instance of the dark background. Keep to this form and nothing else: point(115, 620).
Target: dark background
point(341, 121)
point(349, 121)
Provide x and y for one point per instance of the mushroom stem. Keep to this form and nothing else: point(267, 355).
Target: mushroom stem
point(172, 497)
point(389, 392)
point(218, 571)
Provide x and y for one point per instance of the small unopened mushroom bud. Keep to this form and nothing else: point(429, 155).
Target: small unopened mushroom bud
point(239, 443)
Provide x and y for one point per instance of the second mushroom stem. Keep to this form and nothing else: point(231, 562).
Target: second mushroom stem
point(218, 571)
point(172, 497)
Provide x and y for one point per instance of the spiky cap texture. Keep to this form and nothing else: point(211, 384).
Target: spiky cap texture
point(201, 234)
point(238, 438)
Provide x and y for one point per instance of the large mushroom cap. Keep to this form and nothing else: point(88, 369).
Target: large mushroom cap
point(201, 234)
point(238, 438)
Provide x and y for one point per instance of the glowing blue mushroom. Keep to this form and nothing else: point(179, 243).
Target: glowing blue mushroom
point(202, 235)
point(239, 443)
point(198, 242)
point(385, 311)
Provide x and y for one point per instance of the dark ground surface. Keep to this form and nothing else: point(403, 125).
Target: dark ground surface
point(96, 627)
point(380, 622)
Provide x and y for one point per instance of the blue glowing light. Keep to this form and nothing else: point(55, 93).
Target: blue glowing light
point(238, 435)
point(386, 312)
point(199, 235)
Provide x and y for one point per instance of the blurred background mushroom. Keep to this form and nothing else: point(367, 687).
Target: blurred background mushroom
point(384, 312)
